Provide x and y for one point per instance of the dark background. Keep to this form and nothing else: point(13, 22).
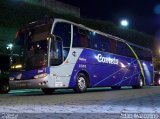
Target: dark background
point(143, 15)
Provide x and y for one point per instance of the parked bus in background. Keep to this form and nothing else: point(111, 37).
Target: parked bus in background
point(61, 54)
point(156, 78)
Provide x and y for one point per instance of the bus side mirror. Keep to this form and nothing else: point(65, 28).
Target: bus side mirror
point(55, 38)
point(52, 36)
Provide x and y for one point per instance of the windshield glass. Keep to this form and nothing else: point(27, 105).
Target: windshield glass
point(31, 47)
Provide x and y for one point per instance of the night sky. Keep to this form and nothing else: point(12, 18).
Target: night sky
point(143, 15)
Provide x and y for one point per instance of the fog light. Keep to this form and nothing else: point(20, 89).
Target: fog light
point(40, 83)
point(40, 76)
point(11, 78)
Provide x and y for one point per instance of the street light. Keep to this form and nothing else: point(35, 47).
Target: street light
point(124, 23)
point(9, 46)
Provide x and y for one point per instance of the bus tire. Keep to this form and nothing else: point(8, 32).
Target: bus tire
point(48, 90)
point(81, 83)
point(116, 87)
point(4, 88)
point(140, 85)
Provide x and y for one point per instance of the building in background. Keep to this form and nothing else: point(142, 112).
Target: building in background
point(57, 6)
point(7, 33)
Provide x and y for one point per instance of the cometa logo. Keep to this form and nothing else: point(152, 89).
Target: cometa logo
point(107, 60)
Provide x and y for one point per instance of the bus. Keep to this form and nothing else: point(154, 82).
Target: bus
point(58, 53)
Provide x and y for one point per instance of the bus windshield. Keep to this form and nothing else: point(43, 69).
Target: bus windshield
point(33, 47)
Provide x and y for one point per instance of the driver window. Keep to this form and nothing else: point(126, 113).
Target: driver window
point(56, 56)
point(63, 30)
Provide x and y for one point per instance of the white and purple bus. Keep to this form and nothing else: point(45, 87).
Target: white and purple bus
point(57, 53)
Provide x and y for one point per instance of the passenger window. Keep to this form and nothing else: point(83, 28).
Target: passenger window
point(80, 38)
point(105, 44)
point(93, 40)
point(123, 49)
point(113, 46)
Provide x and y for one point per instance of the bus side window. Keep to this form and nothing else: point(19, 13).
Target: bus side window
point(84, 41)
point(123, 49)
point(139, 52)
point(76, 37)
point(98, 42)
point(105, 44)
point(148, 55)
point(80, 37)
point(144, 54)
point(93, 40)
point(113, 46)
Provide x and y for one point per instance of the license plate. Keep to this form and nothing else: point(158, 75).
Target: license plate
point(24, 84)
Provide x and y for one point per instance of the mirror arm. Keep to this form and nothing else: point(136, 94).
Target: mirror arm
point(52, 36)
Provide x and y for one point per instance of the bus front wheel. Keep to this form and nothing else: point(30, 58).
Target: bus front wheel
point(48, 90)
point(81, 83)
point(4, 88)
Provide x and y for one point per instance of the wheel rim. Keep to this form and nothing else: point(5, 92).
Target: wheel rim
point(141, 83)
point(81, 83)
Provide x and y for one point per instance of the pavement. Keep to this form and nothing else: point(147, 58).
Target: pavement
point(94, 104)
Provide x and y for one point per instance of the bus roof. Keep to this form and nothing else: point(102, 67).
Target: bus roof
point(36, 23)
point(50, 20)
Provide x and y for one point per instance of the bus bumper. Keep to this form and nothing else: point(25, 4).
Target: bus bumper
point(29, 84)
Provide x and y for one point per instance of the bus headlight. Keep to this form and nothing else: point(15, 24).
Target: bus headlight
point(17, 66)
point(40, 76)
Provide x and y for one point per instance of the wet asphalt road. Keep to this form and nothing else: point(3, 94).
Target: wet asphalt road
point(95, 103)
